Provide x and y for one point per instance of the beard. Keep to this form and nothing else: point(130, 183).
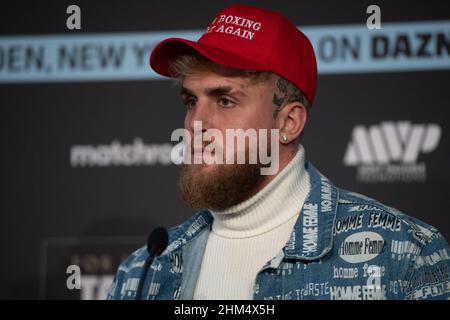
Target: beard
point(219, 186)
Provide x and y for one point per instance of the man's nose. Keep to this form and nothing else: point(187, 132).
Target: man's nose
point(201, 112)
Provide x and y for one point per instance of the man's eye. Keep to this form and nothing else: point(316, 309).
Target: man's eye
point(190, 102)
point(226, 103)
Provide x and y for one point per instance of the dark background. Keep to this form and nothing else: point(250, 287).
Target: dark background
point(45, 201)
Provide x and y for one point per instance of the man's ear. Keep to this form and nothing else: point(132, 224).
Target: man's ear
point(291, 121)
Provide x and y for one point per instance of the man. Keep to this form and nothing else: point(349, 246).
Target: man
point(287, 235)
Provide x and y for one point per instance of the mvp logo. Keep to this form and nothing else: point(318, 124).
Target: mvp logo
point(388, 152)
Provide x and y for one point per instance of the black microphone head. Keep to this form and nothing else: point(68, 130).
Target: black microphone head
point(157, 241)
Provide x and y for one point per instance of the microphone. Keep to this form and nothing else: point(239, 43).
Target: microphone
point(156, 244)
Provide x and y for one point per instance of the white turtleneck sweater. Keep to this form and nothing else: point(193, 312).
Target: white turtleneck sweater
point(246, 236)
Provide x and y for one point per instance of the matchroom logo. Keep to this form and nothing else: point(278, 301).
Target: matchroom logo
point(389, 151)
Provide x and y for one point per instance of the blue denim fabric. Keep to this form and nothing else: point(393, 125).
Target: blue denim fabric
point(343, 246)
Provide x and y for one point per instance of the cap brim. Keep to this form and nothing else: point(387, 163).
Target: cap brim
point(168, 50)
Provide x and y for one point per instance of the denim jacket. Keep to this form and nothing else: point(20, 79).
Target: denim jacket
point(343, 246)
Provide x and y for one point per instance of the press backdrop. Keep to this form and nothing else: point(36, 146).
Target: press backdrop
point(85, 125)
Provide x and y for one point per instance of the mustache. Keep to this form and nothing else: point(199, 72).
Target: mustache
point(197, 143)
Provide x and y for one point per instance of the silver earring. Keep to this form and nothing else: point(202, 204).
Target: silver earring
point(285, 138)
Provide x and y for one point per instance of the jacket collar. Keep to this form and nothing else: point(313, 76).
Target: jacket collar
point(188, 230)
point(312, 236)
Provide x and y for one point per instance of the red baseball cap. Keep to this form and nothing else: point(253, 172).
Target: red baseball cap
point(248, 38)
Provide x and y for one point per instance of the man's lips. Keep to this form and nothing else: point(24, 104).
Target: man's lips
point(200, 152)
